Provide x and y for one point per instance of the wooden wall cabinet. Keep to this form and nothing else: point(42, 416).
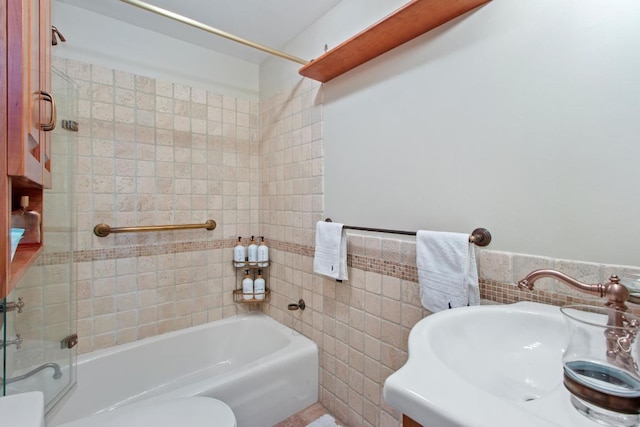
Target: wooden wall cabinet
point(409, 422)
point(31, 113)
point(28, 113)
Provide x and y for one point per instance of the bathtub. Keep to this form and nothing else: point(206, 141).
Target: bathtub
point(262, 369)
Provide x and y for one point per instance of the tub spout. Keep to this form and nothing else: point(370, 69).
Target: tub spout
point(617, 294)
point(57, 373)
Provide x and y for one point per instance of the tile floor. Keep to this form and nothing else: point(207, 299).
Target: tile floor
point(307, 416)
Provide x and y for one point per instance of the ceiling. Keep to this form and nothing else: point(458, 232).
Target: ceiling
point(272, 23)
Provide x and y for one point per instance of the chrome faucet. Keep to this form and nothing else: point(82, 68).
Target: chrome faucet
point(57, 373)
point(617, 294)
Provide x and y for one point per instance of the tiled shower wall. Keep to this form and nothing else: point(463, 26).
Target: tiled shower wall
point(361, 326)
point(154, 152)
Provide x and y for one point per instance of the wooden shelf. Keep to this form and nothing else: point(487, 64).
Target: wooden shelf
point(26, 254)
point(413, 19)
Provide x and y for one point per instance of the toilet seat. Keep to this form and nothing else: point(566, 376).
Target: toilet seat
point(196, 411)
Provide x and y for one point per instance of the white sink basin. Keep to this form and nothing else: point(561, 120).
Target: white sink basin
point(22, 410)
point(496, 365)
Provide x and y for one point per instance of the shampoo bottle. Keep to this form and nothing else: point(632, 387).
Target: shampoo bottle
point(253, 251)
point(28, 220)
point(263, 253)
point(259, 286)
point(239, 254)
point(247, 286)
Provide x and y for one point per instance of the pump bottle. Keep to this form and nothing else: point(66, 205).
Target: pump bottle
point(27, 219)
point(247, 286)
point(259, 286)
point(239, 254)
point(263, 253)
point(253, 251)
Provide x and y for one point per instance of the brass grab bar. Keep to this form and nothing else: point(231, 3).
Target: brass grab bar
point(103, 230)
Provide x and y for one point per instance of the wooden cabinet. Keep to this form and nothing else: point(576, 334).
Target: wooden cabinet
point(409, 422)
point(28, 114)
point(31, 112)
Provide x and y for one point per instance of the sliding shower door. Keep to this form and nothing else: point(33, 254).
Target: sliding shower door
point(44, 357)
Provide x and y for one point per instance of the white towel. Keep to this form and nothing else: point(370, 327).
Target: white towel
point(330, 257)
point(447, 270)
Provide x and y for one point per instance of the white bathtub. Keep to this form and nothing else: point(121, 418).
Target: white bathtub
point(262, 369)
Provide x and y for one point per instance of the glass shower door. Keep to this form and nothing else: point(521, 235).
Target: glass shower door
point(43, 358)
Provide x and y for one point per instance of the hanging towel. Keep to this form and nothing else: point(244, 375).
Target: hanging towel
point(447, 270)
point(330, 257)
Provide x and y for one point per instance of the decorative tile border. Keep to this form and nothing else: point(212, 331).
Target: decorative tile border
point(293, 248)
point(133, 251)
point(384, 267)
point(504, 293)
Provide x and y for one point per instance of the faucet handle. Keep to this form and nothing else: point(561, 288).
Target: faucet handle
point(525, 285)
point(18, 341)
point(13, 305)
point(617, 293)
point(19, 305)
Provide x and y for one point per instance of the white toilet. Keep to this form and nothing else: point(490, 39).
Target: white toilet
point(194, 411)
point(24, 409)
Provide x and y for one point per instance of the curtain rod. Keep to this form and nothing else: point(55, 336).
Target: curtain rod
point(177, 17)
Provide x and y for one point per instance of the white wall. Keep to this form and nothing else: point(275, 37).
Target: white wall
point(521, 117)
point(100, 40)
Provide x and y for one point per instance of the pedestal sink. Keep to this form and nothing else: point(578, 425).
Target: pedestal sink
point(495, 365)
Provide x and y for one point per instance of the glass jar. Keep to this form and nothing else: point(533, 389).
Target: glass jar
point(601, 364)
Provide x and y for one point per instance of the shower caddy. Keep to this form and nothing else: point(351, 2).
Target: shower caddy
point(253, 267)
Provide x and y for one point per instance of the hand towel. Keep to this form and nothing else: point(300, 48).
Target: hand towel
point(447, 270)
point(330, 256)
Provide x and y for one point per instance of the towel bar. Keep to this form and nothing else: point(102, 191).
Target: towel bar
point(479, 236)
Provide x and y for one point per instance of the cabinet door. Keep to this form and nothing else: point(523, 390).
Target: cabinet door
point(31, 111)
